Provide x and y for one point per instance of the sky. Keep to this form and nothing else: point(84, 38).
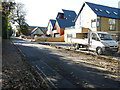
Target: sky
point(40, 11)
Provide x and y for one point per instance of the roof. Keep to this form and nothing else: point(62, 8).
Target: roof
point(69, 14)
point(68, 21)
point(52, 22)
point(63, 23)
point(43, 29)
point(104, 11)
point(34, 28)
point(37, 26)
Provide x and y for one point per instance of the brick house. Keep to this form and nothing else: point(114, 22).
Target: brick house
point(63, 20)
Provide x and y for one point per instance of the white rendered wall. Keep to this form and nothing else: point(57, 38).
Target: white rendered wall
point(71, 31)
point(85, 17)
point(50, 27)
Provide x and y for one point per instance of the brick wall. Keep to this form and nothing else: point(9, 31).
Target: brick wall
point(104, 26)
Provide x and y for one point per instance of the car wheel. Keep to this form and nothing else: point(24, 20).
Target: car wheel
point(99, 51)
point(77, 46)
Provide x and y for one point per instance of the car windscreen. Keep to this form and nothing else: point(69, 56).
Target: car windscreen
point(105, 36)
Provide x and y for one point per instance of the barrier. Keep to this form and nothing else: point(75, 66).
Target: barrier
point(50, 39)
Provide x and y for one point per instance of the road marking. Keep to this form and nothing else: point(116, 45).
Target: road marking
point(46, 76)
point(43, 79)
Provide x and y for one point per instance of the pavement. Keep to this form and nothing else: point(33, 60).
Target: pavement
point(15, 73)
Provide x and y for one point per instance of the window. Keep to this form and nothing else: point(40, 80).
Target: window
point(85, 35)
point(115, 13)
point(80, 19)
point(112, 24)
point(96, 9)
point(50, 28)
point(93, 23)
point(69, 35)
point(100, 10)
point(94, 37)
point(98, 21)
point(105, 36)
point(107, 11)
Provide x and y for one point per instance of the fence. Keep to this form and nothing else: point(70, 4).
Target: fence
point(50, 39)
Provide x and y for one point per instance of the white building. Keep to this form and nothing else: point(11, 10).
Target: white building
point(50, 27)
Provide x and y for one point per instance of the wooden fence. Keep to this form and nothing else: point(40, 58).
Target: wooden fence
point(50, 39)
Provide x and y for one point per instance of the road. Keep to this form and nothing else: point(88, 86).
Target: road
point(67, 69)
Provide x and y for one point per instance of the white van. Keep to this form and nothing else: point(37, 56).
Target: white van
point(97, 41)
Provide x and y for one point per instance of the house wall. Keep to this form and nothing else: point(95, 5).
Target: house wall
point(104, 26)
point(50, 27)
point(57, 27)
point(85, 17)
point(60, 15)
point(62, 31)
point(59, 30)
point(38, 32)
point(71, 33)
point(79, 35)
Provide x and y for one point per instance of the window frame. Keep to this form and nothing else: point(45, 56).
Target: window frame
point(95, 37)
point(98, 22)
point(92, 23)
point(112, 26)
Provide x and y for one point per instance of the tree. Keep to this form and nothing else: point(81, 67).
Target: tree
point(13, 12)
point(7, 8)
point(19, 17)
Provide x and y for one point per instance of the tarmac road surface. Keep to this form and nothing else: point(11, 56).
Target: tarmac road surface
point(65, 69)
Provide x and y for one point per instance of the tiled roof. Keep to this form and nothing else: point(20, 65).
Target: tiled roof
point(43, 29)
point(104, 11)
point(69, 14)
point(34, 28)
point(52, 21)
point(63, 23)
point(37, 26)
point(68, 20)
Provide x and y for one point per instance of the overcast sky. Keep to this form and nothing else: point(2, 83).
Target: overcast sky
point(40, 11)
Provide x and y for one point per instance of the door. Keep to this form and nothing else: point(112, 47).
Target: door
point(94, 42)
